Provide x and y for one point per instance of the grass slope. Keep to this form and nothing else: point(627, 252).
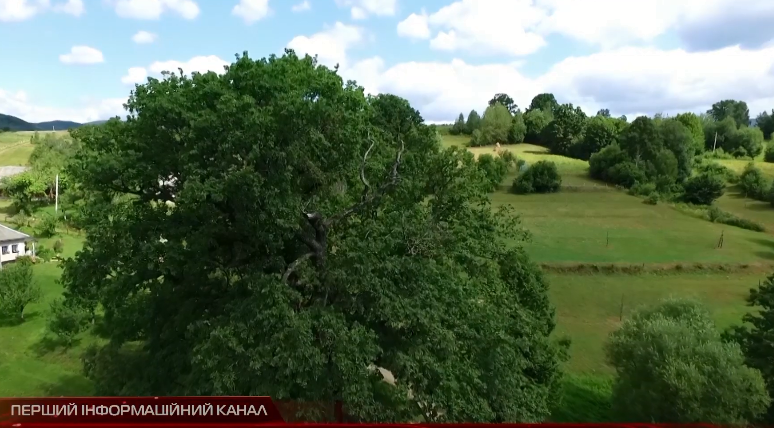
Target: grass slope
point(15, 147)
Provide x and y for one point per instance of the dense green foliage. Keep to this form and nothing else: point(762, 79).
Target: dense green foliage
point(765, 122)
point(272, 231)
point(518, 130)
point(495, 168)
point(535, 121)
point(753, 183)
point(17, 288)
point(672, 367)
point(545, 102)
point(473, 122)
point(704, 188)
point(495, 126)
point(756, 336)
point(696, 128)
point(505, 100)
point(736, 110)
point(565, 130)
point(540, 177)
point(459, 126)
point(601, 131)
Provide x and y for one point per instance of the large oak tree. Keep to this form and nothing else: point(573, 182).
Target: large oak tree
point(274, 231)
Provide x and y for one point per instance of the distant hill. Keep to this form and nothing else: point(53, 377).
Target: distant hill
point(13, 123)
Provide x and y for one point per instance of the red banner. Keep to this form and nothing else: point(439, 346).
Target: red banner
point(204, 412)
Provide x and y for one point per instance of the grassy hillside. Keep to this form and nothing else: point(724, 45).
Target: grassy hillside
point(15, 147)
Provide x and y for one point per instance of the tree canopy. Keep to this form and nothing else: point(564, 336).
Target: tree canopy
point(672, 367)
point(505, 100)
point(273, 231)
point(546, 102)
point(734, 109)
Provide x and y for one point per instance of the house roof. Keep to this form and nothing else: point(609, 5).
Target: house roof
point(8, 234)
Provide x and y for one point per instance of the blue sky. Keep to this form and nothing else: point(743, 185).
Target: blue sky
point(446, 56)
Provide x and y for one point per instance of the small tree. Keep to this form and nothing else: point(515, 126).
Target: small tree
point(473, 123)
point(17, 288)
point(540, 177)
point(67, 319)
point(753, 183)
point(535, 121)
point(672, 367)
point(600, 133)
point(518, 129)
point(494, 168)
point(505, 100)
point(703, 189)
point(494, 126)
point(459, 126)
point(695, 127)
point(756, 336)
point(565, 130)
point(58, 247)
point(769, 155)
point(749, 139)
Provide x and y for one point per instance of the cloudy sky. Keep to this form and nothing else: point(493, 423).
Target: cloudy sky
point(78, 59)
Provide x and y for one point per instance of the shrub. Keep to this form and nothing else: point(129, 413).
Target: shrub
point(626, 174)
point(715, 168)
point(67, 320)
point(652, 199)
point(509, 158)
point(703, 189)
point(44, 253)
point(518, 129)
point(716, 215)
point(642, 189)
point(58, 247)
point(748, 140)
point(754, 183)
point(494, 168)
point(47, 226)
point(769, 155)
point(541, 177)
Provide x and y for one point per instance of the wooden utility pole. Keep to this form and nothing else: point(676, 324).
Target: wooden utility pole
point(715, 144)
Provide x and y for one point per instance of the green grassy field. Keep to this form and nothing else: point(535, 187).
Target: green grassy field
point(15, 147)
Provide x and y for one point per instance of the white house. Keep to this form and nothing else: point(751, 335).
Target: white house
point(13, 244)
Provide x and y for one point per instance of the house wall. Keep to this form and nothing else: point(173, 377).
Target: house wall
point(6, 250)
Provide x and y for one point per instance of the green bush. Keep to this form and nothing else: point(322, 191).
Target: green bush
point(652, 199)
point(540, 177)
point(44, 253)
point(703, 189)
point(67, 320)
point(58, 247)
point(716, 215)
point(715, 168)
point(47, 226)
point(642, 189)
point(753, 183)
point(769, 156)
point(494, 168)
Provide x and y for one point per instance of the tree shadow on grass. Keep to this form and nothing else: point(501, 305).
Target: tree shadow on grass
point(537, 152)
point(49, 344)
point(69, 386)
point(585, 398)
point(768, 244)
point(15, 321)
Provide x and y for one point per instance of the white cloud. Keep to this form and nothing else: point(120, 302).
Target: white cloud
point(301, 7)
point(82, 55)
point(488, 27)
point(153, 9)
point(135, 75)
point(251, 10)
point(361, 9)
point(144, 37)
point(414, 27)
point(519, 27)
point(18, 104)
point(329, 45)
point(20, 10)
